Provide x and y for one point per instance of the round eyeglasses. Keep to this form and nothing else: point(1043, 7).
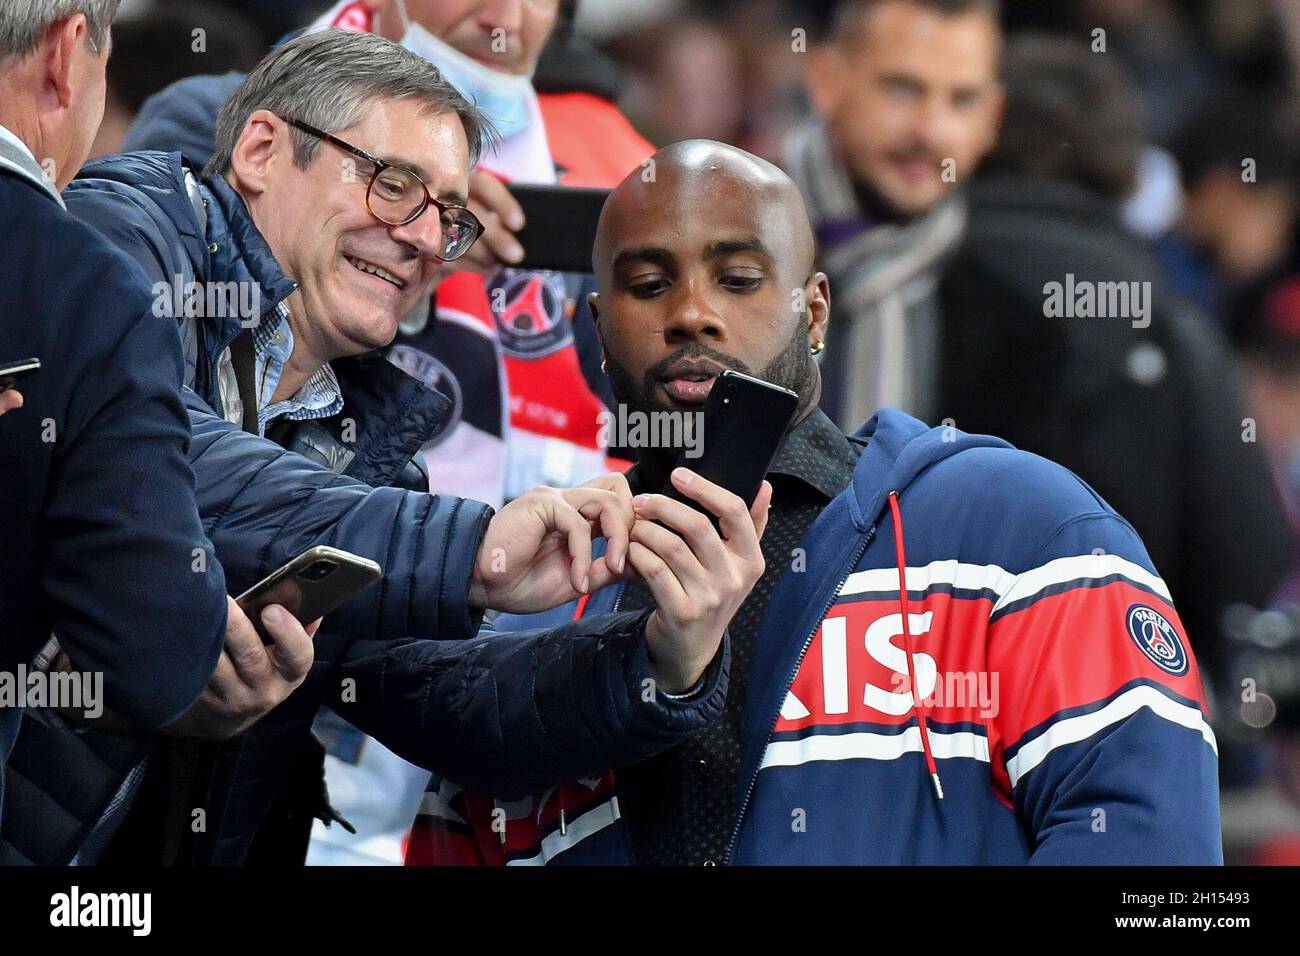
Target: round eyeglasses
point(396, 195)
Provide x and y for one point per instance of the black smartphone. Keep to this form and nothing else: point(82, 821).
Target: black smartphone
point(559, 225)
point(744, 420)
point(311, 585)
point(11, 372)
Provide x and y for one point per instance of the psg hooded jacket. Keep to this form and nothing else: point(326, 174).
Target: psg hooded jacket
point(969, 660)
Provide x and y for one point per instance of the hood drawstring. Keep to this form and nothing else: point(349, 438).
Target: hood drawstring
point(918, 706)
point(559, 791)
point(582, 606)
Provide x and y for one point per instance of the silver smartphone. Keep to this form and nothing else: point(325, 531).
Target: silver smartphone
point(311, 585)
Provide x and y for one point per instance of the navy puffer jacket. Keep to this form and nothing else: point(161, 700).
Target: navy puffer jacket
point(411, 679)
point(520, 714)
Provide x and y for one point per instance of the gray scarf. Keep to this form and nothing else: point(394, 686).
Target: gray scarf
point(882, 346)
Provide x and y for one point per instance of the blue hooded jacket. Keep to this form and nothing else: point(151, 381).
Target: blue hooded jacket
point(1060, 716)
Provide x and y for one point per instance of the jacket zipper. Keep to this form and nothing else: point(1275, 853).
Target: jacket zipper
point(753, 778)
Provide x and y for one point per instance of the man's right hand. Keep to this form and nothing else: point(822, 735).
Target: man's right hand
point(250, 678)
point(698, 578)
point(10, 399)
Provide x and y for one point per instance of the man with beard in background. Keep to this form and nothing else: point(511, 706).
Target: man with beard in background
point(908, 103)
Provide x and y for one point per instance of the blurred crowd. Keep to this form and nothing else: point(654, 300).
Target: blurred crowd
point(1152, 143)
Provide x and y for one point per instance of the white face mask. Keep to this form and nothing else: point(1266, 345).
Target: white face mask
point(502, 97)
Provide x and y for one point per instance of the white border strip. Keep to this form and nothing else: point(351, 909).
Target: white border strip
point(1073, 729)
point(1092, 567)
point(869, 746)
point(970, 577)
point(592, 822)
point(1007, 586)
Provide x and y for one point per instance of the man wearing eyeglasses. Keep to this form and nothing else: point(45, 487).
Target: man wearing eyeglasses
point(296, 252)
point(520, 341)
point(513, 348)
point(336, 194)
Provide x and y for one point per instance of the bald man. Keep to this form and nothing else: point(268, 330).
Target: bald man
point(731, 228)
point(1029, 696)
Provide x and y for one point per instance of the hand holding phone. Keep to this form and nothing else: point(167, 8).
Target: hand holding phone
point(10, 373)
point(250, 679)
point(744, 421)
point(697, 589)
point(310, 586)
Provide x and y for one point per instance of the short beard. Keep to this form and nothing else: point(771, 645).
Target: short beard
point(793, 368)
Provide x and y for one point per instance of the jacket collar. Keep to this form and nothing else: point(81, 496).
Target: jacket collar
point(17, 157)
point(240, 253)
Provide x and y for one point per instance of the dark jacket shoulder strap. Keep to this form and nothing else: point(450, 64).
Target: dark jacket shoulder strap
point(244, 360)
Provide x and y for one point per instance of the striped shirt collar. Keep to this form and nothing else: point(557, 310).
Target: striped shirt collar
point(319, 396)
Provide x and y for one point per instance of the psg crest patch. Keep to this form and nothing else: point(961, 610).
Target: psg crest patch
point(529, 309)
point(1157, 639)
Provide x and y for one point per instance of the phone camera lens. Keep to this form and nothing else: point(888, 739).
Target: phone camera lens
point(318, 570)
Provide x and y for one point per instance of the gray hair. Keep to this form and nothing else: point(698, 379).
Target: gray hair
point(329, 80)
point(24, 22)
